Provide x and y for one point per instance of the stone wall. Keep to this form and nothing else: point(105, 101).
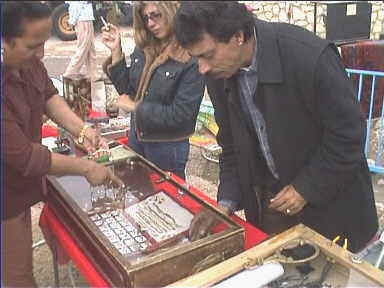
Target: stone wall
point(301, 13)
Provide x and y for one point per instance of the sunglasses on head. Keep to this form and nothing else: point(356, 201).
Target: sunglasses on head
point(154, 16)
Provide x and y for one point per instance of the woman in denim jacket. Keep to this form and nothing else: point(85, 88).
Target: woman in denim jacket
point(162, 86)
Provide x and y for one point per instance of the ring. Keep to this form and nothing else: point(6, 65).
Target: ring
point(288, 211)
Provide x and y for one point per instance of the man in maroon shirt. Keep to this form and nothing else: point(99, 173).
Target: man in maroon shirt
point(27, 94)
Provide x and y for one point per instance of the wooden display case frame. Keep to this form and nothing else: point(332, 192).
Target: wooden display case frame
point(227, 268)
point(161, 268)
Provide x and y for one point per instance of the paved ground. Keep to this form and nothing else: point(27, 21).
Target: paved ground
point(202, 175)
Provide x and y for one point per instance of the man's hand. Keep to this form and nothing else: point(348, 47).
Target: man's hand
point(288, 201)
point(98, 174)
point(203, 222)
point(93, 141)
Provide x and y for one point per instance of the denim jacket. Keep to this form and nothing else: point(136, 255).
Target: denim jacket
point(171, 103)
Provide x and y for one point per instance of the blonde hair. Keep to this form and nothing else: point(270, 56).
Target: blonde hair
point(144, 38)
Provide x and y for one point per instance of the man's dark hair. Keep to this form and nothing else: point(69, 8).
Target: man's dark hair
point(14, 13)
point(220, 19)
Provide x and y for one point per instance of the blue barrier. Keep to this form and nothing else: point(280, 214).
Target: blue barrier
point(373, 143)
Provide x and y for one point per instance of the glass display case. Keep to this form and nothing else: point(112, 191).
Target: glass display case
point(138, 235)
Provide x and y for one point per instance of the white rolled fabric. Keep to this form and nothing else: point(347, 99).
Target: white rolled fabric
point(254, 278)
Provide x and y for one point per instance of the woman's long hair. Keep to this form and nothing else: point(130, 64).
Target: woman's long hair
point(144, 38)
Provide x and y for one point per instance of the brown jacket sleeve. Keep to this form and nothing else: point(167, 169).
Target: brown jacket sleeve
point(48, 88)
point(28, 158)
point(22, 109)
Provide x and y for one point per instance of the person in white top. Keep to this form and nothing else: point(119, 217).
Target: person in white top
point(81, 16)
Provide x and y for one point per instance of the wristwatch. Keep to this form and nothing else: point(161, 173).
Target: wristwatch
point(80, 140)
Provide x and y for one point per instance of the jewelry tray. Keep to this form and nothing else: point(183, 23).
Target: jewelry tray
point(162, 252)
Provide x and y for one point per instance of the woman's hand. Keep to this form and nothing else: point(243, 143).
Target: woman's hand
point(111, 38)
point(125, 102)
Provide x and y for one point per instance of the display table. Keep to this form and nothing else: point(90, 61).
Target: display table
point(50, 221)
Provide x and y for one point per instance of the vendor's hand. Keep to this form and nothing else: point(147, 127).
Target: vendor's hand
point(203, 222)
point(125, 102)
point(97, 147)
point(111, 38)
point(99, 154)
point(93, 141)
point(98, 174)
point(288, 201)
point(103, 144)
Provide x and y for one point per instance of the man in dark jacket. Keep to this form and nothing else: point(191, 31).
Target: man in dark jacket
point(290, 125)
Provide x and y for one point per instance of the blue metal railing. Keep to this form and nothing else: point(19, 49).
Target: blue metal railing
point(376, 164)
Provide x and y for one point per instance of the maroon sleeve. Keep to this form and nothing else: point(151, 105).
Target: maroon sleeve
point(28, 158)
point(49, 88)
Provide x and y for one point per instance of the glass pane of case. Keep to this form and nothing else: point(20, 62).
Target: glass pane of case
point(150, 214)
